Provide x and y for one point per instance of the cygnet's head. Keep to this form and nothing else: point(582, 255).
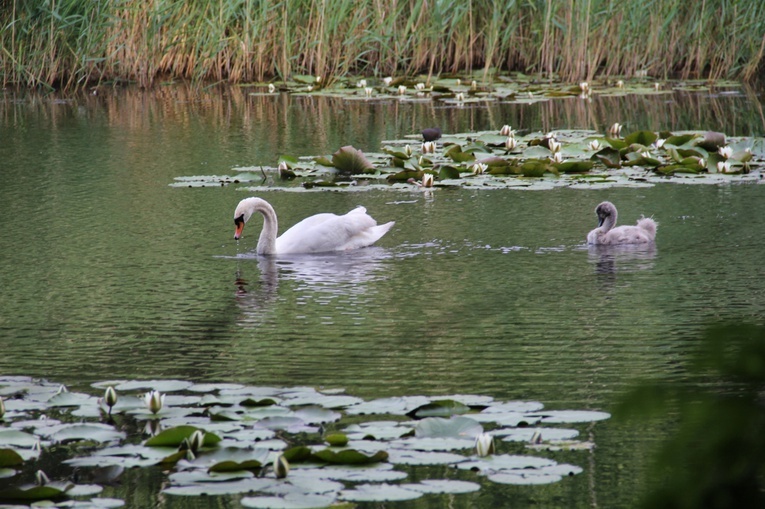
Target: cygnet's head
point(605, 210)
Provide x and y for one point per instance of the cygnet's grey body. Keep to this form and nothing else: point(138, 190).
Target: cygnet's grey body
point(608, 233)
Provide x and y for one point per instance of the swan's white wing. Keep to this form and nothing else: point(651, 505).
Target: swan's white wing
point(329, 232)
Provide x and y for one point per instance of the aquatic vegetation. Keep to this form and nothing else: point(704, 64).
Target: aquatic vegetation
point(492, 160)
point(275, 444)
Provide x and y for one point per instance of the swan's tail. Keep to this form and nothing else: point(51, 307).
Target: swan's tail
point(649, 225)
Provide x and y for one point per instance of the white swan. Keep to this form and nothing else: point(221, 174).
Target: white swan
point(605, 233)
point(320, 233)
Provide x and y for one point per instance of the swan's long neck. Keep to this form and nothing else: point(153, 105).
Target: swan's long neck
point(267, 239)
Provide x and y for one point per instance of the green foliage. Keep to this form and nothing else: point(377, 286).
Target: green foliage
point(74, 43)
point(717, 455)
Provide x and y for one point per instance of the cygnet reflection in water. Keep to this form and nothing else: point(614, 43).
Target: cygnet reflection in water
point(612, 258)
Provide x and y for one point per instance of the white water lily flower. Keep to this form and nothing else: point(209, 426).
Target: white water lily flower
point(723, 167)
point(660, 143)
point(427, 180)
point(401, 89)
point(620, 84)
point(506, 130)
point(361, 83)
point(615, 130)
point(282, 166)
point(408, 151)
point(271, 88)
point(484, 444)
point(725, 151)
point(657, 85)
point(646, 154)
point(318, 79)
point(510, 143)
point(459, 96)
point(154, 401)
point(368, 91)
point(281, 467)
point(702, 162)
point(595, 145)
point(554, 146)
point(479, 168)
point(428, 147)
point(388, 81)
point(557, 157)
point(310, 88)
point(62, 388)
point(473, 85)
point(584, 86)
point(419, 86)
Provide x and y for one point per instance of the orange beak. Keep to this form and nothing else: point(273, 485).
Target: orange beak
point(239, 229)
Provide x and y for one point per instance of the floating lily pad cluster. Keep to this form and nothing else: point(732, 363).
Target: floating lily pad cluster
point(284, 447)
point(505, 159)
point(466, 90)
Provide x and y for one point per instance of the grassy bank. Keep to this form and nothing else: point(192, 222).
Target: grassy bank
point(73, 43)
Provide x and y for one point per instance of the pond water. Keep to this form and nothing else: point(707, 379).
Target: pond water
point(109, 272)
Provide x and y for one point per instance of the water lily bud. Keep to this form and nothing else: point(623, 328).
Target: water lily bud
point(536, 438)
point(427, 180)
point(595, 145)
point(646, 154)
point(657, 85)
point(557, 157)
point(725, 151)
point(554, 146)
point(2, 408)
point(310, 88)
point(388, 81)
point(459, 82)
point(484, 444)
point(584, 87)
point(620, 84)
point(660, 143)
point(361, 83)
point(429, 147)
point(62, 388)
point(281, 467)
point(271, 88)
point(530, 94)
point(318, 79)
point(110, 397)
point(368, 91)
point(702, 162)
point(506, 130)
point(196, 440)
point(615, 130)
point(408, 151)
point(282, 166)
point(41, 478)
point(510, 143)
point(473, 85)
point(459, 96)
point(401, 89)
point(419, 86)
point(154, 401)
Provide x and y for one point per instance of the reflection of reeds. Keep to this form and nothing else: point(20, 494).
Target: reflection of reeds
point(69, 43)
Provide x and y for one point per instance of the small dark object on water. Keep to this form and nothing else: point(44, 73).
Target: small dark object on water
point(431, 133)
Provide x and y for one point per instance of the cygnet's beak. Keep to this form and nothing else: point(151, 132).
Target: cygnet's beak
point(239, 222)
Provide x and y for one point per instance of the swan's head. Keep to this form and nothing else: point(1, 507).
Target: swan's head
point(243, 213)
point(604, 211)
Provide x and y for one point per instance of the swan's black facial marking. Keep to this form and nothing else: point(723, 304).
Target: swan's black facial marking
point(239, 222)
point(602, 213)
point(239, 219)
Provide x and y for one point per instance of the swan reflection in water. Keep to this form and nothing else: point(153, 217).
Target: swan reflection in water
point(610, 259)
point(343, 275)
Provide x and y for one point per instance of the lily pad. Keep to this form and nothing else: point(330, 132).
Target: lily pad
point(349, 457)
point(174, 437)
point(379, 493)
point(291, 501)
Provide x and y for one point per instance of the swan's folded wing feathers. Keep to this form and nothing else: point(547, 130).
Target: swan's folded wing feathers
point(329, 232)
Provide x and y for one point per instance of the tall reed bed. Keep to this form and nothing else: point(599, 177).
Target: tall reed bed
point(74, 43)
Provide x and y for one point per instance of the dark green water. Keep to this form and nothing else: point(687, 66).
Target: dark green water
point(108, 272)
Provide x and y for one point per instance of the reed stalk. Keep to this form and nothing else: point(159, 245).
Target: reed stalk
point(70, 44)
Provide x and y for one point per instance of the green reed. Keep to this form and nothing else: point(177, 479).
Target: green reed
point(74, 43)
